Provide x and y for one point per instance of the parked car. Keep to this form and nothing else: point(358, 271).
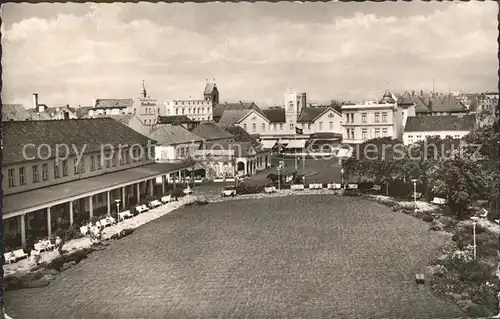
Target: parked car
point(228, 191)
point(187, 190)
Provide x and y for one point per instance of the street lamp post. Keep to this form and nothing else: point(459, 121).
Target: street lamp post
point(342, 177)
point(414, 194)
point(117, 201)
point(279, 177)
point(474, 220)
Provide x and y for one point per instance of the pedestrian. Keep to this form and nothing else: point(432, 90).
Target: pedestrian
point(59, 244)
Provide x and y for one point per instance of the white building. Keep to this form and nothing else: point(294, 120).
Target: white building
point(419, 128)
point(370, 120)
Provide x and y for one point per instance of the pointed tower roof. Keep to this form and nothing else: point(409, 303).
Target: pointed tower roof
point(387, 98)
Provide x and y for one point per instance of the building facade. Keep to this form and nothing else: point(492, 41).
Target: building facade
point(455, 127)
point(196, 110)
point(59, 174)
point(370, 120)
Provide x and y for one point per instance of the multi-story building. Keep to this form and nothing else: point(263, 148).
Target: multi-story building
point(197, 110)
point(174, 143)
point(487, 102)
point(221, 108)
point(439, 104)
point(146, 108)
point(61, 173)
point(372, 120)
point(418, 128)
point(294, 125)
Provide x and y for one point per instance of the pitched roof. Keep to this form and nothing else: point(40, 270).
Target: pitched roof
point(90, 132)
point(420, 106)
point(173, 135)
point(241, 149)
point(240, 135)
point(230, 117)
point(309, 114)
point(441, 103)
point(220, 108)
point(440, 123)
point(387, 98)
point(15, 112)
point(174, 119)
point(275, 115)
point(113, 103)
point(406, 99)
point(83, 111)
point(122, 118)
point(210, 131)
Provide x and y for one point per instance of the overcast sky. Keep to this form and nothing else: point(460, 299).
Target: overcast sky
point(71, 53)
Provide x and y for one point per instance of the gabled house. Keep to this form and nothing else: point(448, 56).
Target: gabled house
point(174, 143)
point(219, 109)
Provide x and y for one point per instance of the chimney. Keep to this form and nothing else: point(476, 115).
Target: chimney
point(95, 102)
point(35, 101)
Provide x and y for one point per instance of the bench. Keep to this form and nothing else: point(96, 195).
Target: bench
point(315, 186)
point(198, 181)
point(9, 258)
point(84, 230)
point(141, 208)
point(352, 186)
point(439, 201)
point(230, 179)
point(187, 191)
point(155, 203)
point(125, 214)
point(270, 190)
point(334, 186)
point(376, 188)
point(20, 254)
point(166, 199)
point(297, 187)
point(105, 222)
point(218, 180)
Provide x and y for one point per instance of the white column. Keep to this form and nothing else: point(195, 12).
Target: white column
point(71, 213)
point(108, 201)
point(49, 223)
point(23, 231)
point(124, 198)
point(138, 192)
point(91, 206)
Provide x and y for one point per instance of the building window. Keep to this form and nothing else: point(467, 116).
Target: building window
point(275, 126)
point(320, 126)
point(377, 133)
point(22, 176)
point(108, 163)
point(457, 136)
point(99, 162)
point(419, 137)
point(352, 117)
point(36, 175)
point(113, 160)
point(363, 117)
point(281, 126)
point(45, 171)
point(122, 157)
point(176, 111)
point(12, 182)
point(331, 126)
point(291, 126)
point(182, 111)
point(254, 127)
point(384, 132)
point(308, 126)
point(352, 134)
point(384, 117)
point(92, 163)
point(347, 118)
point(263, 127)
point(245, 126)
point(57, 172)
point(364, 132)
point(377, 117)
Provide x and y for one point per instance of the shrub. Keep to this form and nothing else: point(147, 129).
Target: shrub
point(427, 218)
point(123, 233)
point(437, 226)
point(71, 233)
point(242, 189)
point(77, 256)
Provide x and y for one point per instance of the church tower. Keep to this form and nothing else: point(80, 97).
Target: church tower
point(211, 92)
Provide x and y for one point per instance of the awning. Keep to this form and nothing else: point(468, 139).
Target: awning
point(296, 144)
point(268, 144)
